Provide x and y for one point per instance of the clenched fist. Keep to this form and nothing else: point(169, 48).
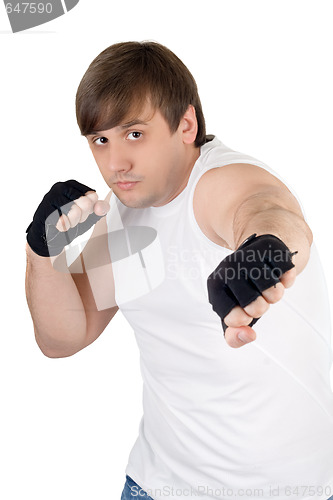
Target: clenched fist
point(246, 282)
point(68, 210)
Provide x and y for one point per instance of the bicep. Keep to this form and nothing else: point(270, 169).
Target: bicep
point(229, 188)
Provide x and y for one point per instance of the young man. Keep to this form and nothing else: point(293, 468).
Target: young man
point(199, 244)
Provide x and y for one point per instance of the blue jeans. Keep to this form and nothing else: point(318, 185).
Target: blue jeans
point(132, 490)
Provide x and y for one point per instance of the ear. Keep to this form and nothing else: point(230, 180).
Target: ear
point(189, 126)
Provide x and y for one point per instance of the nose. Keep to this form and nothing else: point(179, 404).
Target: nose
point(118, 160)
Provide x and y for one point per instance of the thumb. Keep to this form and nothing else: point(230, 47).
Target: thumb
point(239, 336)
point(101, 207)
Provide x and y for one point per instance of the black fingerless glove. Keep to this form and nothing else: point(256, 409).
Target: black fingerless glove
point(243, 275)
point(42, 235)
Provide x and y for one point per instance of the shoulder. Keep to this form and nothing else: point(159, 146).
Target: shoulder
point(234, 182)
point(244, 174)
point(230, 183)
point(220, 191)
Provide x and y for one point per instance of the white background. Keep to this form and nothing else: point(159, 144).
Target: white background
point(264, 72)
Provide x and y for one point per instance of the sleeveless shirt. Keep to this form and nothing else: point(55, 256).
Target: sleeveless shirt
point(220, 422)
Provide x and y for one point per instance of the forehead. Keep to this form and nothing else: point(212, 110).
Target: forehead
point(143, 115)
point(147, 116)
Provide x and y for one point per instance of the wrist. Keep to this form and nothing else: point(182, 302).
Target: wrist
point(38, 261)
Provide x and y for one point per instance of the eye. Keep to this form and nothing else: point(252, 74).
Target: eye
point(134, 136)
point(103, 140)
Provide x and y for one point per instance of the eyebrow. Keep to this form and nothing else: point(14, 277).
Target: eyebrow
point(92, 134)
point(131, 123)
point(124, 126)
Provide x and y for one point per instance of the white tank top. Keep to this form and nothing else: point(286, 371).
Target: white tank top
point(218, 422)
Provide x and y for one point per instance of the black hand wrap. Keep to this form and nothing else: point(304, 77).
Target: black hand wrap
point(42, 235)
point(241, 277)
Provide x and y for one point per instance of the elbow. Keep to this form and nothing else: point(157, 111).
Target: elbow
point(55, 353)
point(49, 353)
point(52, 354)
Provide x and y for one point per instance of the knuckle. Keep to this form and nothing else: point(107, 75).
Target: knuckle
point(85, 204)
point(274, 294)
point(231, 322)
point(74, 215)
point(63, 223)
point(75, 209)
point(92, 195)
point(84, 216)
point(237, 317)
point(257, 307)
point(288, 278)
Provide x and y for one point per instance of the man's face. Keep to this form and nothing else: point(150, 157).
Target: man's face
point(142, 162)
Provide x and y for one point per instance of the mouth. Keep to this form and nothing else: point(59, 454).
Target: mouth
point(126, 185)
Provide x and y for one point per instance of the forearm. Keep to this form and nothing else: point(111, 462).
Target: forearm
point(56, 307)
point(290, 227)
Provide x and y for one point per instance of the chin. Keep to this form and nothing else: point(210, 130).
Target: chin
point(134, 203)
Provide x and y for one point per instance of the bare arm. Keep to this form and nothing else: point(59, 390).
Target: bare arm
point(62, 305)
point(241, 200)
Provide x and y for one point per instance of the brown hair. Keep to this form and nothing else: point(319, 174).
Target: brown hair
point(121, 79)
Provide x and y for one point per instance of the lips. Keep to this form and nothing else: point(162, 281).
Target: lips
point(126, 185)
